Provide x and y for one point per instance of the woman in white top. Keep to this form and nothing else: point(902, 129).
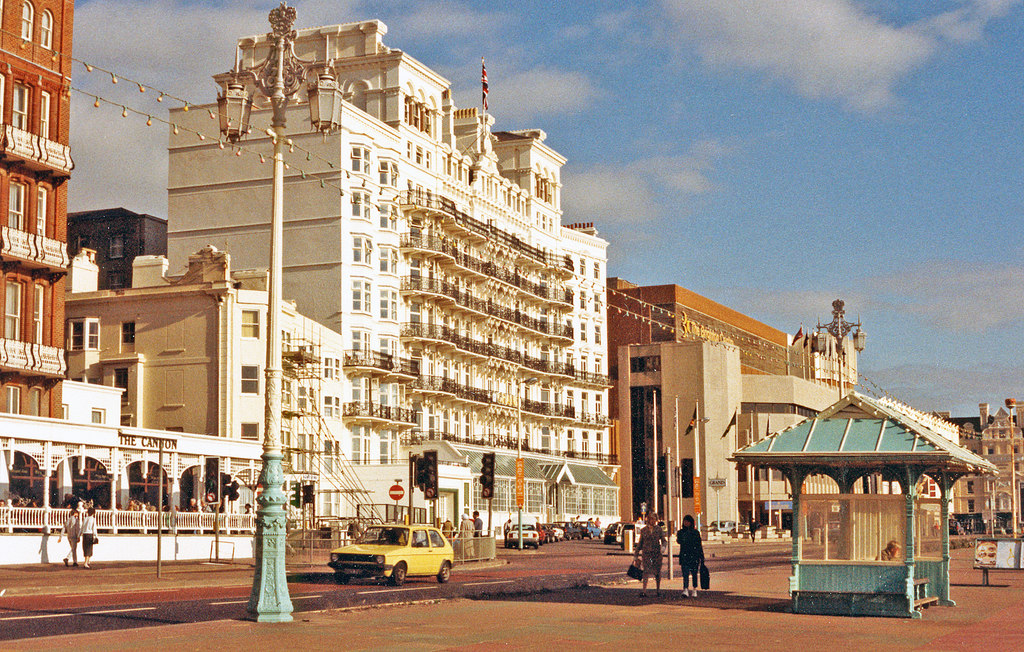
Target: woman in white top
point(88, 534)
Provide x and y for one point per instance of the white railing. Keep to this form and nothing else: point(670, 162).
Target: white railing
point(27, 356)
point(34, 519)
point(37, 151)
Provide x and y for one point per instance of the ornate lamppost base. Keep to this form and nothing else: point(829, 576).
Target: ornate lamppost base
point(269, 601)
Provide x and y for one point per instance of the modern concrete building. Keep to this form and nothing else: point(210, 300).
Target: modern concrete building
point(703, 380)
point(984, 503)
point(117, 235)
point(419, 234)
point(35, 69)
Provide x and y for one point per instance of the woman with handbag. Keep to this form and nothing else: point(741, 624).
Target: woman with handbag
point(652, 540)
point(691, 555)
point(89, 538)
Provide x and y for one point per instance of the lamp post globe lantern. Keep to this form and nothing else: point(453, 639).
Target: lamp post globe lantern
point(325, 98)
point(278, 77)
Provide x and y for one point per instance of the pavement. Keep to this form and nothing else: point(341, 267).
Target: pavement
point(745, 608)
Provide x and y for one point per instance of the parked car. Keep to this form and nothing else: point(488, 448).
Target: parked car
point(555, 533)
point(590, 531)
point(395, 552)
point(572, 531)
point(530, 537)
point(725, 527)
point(611, 534)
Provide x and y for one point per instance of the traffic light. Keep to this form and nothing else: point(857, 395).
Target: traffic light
point(212, 482)
point(487, 476)
point(308, 494)
point(296, 499)
point(228, 487)
point(426, 474)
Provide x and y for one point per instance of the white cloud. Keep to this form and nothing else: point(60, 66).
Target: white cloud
point(826, 49)
point(635, 193)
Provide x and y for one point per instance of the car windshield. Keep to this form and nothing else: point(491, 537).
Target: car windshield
point(387, 536)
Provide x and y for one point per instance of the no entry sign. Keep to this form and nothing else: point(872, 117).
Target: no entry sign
point(396, 492)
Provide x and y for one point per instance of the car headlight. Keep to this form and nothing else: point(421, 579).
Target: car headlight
point(380, 559)
point(334, 556)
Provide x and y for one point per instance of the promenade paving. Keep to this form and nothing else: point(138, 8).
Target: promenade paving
point(745, 609)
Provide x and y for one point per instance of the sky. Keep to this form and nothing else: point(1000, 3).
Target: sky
point(772, 155)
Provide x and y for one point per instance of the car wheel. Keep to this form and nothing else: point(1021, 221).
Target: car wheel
point(341, 578)
point(398, 574)
point(445, 573)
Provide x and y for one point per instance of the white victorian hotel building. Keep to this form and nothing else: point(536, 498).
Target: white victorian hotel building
point(435, 248)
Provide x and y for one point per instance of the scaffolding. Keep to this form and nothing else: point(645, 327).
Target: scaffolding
point(313, 452)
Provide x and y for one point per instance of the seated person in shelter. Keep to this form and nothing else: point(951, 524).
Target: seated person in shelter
point(891, 552)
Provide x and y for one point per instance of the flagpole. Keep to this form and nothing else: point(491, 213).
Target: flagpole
point(696, 464)
point(654, 467)
point(675, 474)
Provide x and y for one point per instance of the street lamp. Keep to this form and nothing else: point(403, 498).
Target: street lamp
point(1014, 492)
point(519, 449)
point(278, 78)
point(839, 328)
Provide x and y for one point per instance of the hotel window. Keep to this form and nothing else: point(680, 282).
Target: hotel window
point(128, 332)
point(44, 115)
point(38, 303)
point(35, 401)
point(361, 205)
point(41, 201)
point(388, 173)
point(99, 415)
point(389, 260)
point(13, 395)
point(388, 217)
point(19, 108)
point(362, 249)
point(28, 16)
point(583, 331)
point(116, 247)
point(360, 159)
point(332, 407)
point(360, 390)
point(415, 313)
point(16, 206)
point(360, 340)
point(583, 299)
point(597, 333)
point(251, 324)
point(250, 379)
point(361, 296)
point(389, 304)
point(12, 311)
point(121, 377)
point(360, 445)
point(251, 431)
point(85, 334)
point(46, 30)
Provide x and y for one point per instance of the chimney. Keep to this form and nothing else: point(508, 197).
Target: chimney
point(983, 412)
point(84, 273)
point(149, 271)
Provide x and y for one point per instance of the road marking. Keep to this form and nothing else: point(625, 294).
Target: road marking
point(217, 604)
point(607, 574)
point(305, 597)
point(411, 588)
point(77, 613)
point(486, 583)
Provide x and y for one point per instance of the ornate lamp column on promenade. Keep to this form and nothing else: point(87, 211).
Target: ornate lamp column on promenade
point(278, 78)
point(839, 328)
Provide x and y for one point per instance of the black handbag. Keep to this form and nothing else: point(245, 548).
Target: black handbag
point(705, 577)
point(635, 572)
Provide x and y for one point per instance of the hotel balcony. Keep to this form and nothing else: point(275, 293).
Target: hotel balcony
point(34, 250)
point(32, 359)
point(36, 153)
point(375, 361)
point(368, 411)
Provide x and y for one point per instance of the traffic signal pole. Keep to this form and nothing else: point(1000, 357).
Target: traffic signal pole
point(412, 483)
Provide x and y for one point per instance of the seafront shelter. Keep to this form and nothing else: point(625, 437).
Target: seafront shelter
point(878, 545)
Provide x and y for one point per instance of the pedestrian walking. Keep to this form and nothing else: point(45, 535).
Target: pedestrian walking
point(691, 555)
point(478, 524)
point(652, 540)
point(89, 538)
point(73, 531)
point(754, 525)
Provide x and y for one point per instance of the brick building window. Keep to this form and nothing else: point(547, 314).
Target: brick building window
point(46, 30)
point(19, 108)
point(12, 311)
point(16, 206)
point(28, 17)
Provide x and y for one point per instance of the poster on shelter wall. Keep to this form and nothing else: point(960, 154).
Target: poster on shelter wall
point(1008, 554)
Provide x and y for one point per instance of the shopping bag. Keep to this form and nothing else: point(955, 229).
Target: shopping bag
point(705, 577)
point(635, 572)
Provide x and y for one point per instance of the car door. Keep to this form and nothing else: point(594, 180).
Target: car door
point(419, 552)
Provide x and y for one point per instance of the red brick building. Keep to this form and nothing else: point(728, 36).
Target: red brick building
point(35, 164)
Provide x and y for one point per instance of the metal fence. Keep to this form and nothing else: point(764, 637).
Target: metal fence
point(40, 519)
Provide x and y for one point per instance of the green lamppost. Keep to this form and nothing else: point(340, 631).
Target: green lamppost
point(279, 78)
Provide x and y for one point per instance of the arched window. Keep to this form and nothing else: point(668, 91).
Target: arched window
point(28, 15)
point(46, 29)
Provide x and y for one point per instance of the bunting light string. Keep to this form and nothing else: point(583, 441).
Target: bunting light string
point(237, 149)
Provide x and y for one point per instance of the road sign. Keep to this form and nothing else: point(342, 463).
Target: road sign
point(397, 492)
point(520, 483)
point(716, 483)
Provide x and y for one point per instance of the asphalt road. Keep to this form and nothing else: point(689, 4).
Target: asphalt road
point(554, 567)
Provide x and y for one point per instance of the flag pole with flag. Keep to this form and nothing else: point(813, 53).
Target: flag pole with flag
point(483, 82)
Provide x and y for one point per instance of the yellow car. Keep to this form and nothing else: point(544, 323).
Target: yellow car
point(395, 552)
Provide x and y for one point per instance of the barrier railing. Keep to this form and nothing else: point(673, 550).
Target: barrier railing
point(40, 519)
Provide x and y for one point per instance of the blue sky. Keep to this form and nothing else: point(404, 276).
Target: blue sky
point(771, 155)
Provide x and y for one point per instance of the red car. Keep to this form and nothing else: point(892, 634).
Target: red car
point(542, 534)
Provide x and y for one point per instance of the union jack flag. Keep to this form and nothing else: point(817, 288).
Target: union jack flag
point(483, 81)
